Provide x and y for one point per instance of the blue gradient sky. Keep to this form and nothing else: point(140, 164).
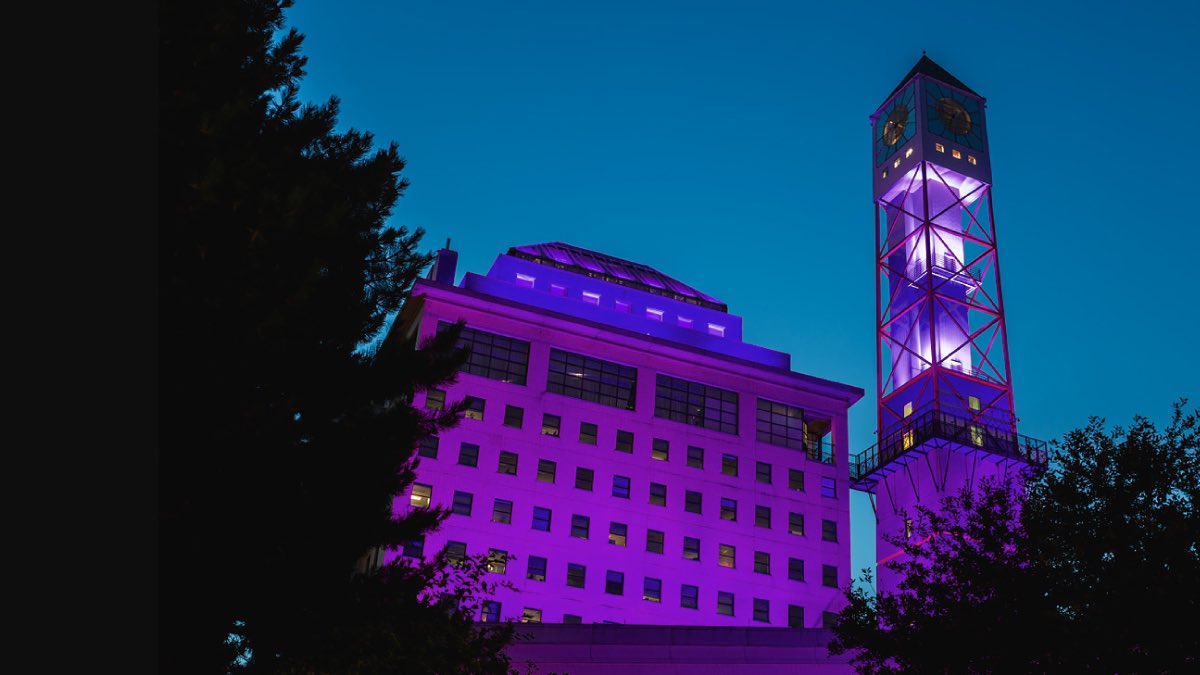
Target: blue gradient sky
point(728, 145)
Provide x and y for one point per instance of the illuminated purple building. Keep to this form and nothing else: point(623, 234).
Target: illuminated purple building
point(627, 455)
point(946, 416)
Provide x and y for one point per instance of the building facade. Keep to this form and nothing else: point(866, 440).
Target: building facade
point(626, 457)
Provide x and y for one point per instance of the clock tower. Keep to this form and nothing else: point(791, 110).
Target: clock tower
point(945, 400)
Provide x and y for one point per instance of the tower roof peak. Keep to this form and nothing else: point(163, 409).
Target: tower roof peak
point(927, 66)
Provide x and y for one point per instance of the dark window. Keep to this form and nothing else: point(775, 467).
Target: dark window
point(695, 457)
point(762, 516)
point(546, 471)
point(508, 463)
point(614, 582)
point(414, 548)
point(762, 472)
point(828, 619)
point(462, 503)
point(501, 511)
point(689, 596)
point(531, 615)
point(828, 530)
point(796, 523)
point(541, 518)
point(536, 568)
point(621, 487)
point(696, 404)
point(584, 478)
point(726, 555)
point(654, 541)
point(729, 465)
point(724, 603)
point(616, 533)
point(795, 616)
point(658, 494)
point(779, 424)
point(572, 618)
point(661, 449)
point(795, 569)
point(591, 379)
point(551, 424)
point(421, 496)
point(495, 356)
point(691, 548)
point(762, 610)
point(829, 576)
point(497, 561)
point(455, 551)
point(829, 487)
point(514, 416)
point(762, 562)
point(624, 441)
point(474, 409)
point(728, 509)
point(692, 501)
point(435, 398)
point(576, 575)
point(580, 525)
point(587, 433)
point(428, 447)
point(796, 480)
point(652, 590)
point(468, 454)
point(491, 611)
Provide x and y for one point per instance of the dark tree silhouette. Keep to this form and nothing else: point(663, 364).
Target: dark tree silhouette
point(282, 441)
point(1093, 567)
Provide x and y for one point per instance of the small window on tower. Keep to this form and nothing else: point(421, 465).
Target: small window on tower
point(896, 164)
point(654, 314)
point(970, 159)
point(884, 174)
point(908, 153)
point(621, 306)
point(714, 329)
point(939, 147)
point(591, 298)
point(973, 401)
point(560, 291)
point(525, 281)
point(684, 322)
point(956, 154)
point(908, 409)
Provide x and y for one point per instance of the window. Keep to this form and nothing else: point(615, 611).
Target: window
point(536, 568)
point(428, 447)
point(908, 153)
point(572, 618)
point(421, 494)
point(691, 548)
point(696, 404)
point(796, 523)
point(654, 541)
point(491, 611)
point(621, 487)
point(474, 409)
point(796, 480)
point(455, 551)
point(684, 322)
point(414, 548)
point(580, 526)
point(468, 454)
point(828, 530)
point(829, 576)
point(762, 562)
point(541, 518)
point(508, 463)
point(971, 159)
point(828, 619)
point(762, 516)
point(587, 433)
point(726, 554)
point(614, 582)
point(525, 281)
point(729, 465)
point(658, 494)
point(829, 487)
point(616, 533)
point(695, 457)
point(493, 356)
point(762, 472)
point(621, 306)
point(661, 450)
point(584, 478)
point(550, 424)
point(590, 379)
point(435, 399)
point(779, 424)
point(514, 416)
point(652, 590)
point(546, 471)
point(689, 596)
point(497, 561)
point(973, 402)
point(462, 503)
point(692, 501)
point(939, 147)
point(654, 314)
point(714, 329)
point(762, 610)
point(795, 569)
point(560, 291)
point(908, 409)
point(795, 616)
point(591, 298)
point(956, 154)
point(724, 603)
point(502, 511)
point(728, 509)
point(531, 615)
point(624, 441)
point(575, 575)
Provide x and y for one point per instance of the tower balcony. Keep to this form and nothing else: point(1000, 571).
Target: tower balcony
point(944, 267)
point(919, 434)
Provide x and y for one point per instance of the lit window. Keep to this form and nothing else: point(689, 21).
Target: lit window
point(621, 487)
point(829, 576)
point(908, 439)
point(726, 554)
point(661, 450)
point(684, 323)
point(908, 527)
point(435, 398)
point(829, 530)
point(508, 463)
point(728, 509)
point(654, 541)
point(468, 454)
point(536, 568)
point(420, 496)
point(896, 164)
point(908, 409)
point(616, 533)
point(502, 511)
point(795, 616)
point(654, 314)
point(729, 465)
point(908, 153)
point(689, 596)
point(762, 606)
point(560, 291)
point(580, 526)
point(652, 590)
point(546, 470)
point(796, 523)
point(591, 298)
point(976, 435)
point(474, 409)
point(497, 561)
point(939, 147)
point(576, 575)
point(621, 306)
point(550, 424)
point(724, 603)
point(714, 329)
point(692, 501)
point(762, 516)
point(884, 175)
point(624, 441)
point(587, 433)
point(829, 487)
point(513, 416)
point(956, 154)
point(525, 281)
point(971, 159)
point(614, 582)
point(762, 562)
point(462, 503)
point(658, 494)
point(541, 518)
point(531, 615)
point(973, 401)
point(691, 548)
point(491, 611)
point(795, 569)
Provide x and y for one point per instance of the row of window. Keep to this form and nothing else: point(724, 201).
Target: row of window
point(490, 612)
point(936, 146)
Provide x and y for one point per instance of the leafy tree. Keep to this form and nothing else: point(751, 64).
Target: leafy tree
point(283, 441)
point(1092, 567)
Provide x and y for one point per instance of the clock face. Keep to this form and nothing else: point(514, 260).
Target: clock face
point(896, 125)
point(954, 116)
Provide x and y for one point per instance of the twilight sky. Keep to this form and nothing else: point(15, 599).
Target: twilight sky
point(728, 145)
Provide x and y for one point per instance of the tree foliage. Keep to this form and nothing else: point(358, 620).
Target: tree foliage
point(1093, 566)
point(282, 442)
